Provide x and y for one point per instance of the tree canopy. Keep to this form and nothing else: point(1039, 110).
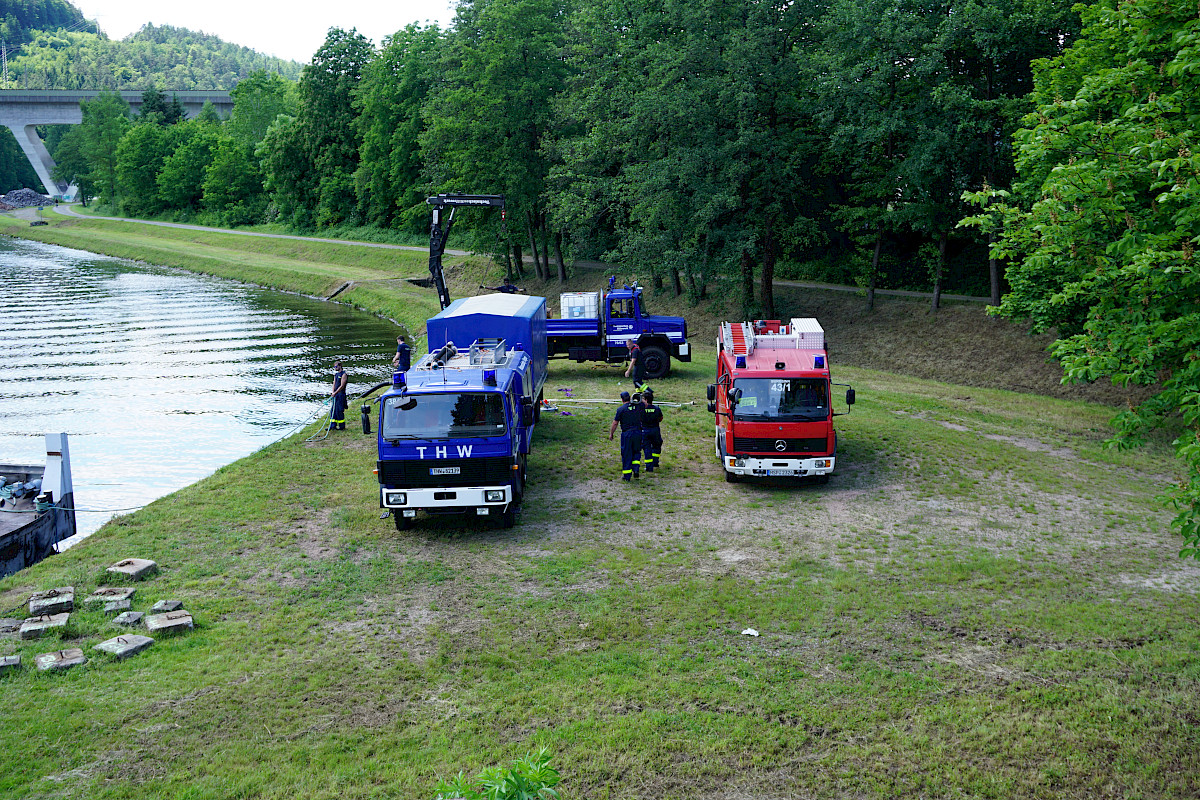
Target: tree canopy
point(1103, 223)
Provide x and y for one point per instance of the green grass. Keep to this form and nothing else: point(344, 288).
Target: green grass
point(983, 602)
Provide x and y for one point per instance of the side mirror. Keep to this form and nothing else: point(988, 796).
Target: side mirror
point(712, 408)
point(849, 397)
point(712, 392)
point(735, 396)
point(526, 411)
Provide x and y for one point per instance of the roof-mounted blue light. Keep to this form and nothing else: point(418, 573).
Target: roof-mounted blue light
point(398, 379)
point(819, 362)
point(489, 377)
point(740, 362)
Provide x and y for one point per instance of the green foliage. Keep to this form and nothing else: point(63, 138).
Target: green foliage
point(164, 57)
point(140, 156)
point(529, 778)
point(105, 121)
point(1104, 231)
point(390, 101)
point(257, 100)
point(24, 21)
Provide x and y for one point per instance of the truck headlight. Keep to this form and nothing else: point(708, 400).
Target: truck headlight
point(395, 498)
point(741, 462)
point(493, 496)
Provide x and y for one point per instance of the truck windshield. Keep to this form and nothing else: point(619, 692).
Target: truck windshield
point(443, 416)
point(786, 399)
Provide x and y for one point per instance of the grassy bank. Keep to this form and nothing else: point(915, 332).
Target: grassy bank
point(984, 602)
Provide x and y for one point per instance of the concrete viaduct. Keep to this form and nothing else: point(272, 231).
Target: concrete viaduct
point(21, 110)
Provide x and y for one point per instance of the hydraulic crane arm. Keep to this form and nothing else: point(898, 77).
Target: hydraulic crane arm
point(439, 232)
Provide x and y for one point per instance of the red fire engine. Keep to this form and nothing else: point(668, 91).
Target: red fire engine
point(772, 400)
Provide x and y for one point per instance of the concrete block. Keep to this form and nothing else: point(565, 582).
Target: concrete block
point(116, 606)
point(125, 646)
point(60, 659)
point(166, 606)
point(9, 628)
point(169, 623)
point(129, 618)
point(135, 569)
point(34, 627)
point(107, 594)
point(10, 663)
point(52, 601)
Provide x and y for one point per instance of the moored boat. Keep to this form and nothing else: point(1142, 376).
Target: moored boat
point(37, 507)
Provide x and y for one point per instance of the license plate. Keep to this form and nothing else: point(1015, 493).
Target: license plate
point(444, 470)
point(779, 472)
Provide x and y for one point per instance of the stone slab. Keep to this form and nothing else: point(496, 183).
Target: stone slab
point(10, 663)
point(166, 606)
point(108, 594)
point(125, 646)
point(128, 618)
point(169, 623)
point(10, 627)
point(34, 627)
point(52, 601)
point(60, 659)
point(117, 606)
point(135, 569)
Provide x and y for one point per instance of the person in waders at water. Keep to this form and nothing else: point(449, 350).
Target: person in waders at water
point(337, 412)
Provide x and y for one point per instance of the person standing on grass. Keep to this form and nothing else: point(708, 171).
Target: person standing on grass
point(636, 369)
point(652, 417)
point(337, 412)
point(629, 417)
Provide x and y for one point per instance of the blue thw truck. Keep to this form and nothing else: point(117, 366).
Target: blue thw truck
point(596, 325)
point(454, 430)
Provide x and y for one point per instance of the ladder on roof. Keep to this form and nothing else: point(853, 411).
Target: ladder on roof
point(739, 338)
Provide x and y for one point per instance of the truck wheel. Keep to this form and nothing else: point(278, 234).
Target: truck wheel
point(656, 361)
point(537, 408)
point(731, 477)
point(403, 523)
point(509, 518)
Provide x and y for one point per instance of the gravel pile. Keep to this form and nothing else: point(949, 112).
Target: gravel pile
point(24, 198)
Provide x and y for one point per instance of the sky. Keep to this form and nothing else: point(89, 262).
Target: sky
point(290, 29)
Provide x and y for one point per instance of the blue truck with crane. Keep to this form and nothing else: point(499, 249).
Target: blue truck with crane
point(455, 430)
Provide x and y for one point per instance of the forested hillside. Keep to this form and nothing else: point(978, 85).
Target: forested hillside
point(22, 20)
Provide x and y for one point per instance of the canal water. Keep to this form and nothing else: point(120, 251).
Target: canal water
point(158, 376)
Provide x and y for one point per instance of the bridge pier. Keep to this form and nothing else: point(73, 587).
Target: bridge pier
point(35, 150)
point(22, 110)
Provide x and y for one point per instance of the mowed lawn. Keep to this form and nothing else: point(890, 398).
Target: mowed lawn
point(983, 602)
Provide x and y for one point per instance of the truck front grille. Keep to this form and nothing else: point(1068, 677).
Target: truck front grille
point(414, 474)
point(745, 444)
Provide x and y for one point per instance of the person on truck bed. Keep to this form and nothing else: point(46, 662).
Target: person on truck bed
point(629, 417)
point(507, 287)
point(636, 368)
point(402, 361)
point(652, 417)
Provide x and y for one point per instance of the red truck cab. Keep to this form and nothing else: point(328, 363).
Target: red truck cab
point(773, 400)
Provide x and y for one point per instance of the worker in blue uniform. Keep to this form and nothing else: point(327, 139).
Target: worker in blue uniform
point(337, 412)
point(402, 361)
point(629, 417)
point(652, 417)
point(507, 287)
point(636, 369)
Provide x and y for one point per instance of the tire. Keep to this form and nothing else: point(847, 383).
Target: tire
point(729, 476)
point(403, 523)
point(655, 362)
point(537, 408)
point(509, 518)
